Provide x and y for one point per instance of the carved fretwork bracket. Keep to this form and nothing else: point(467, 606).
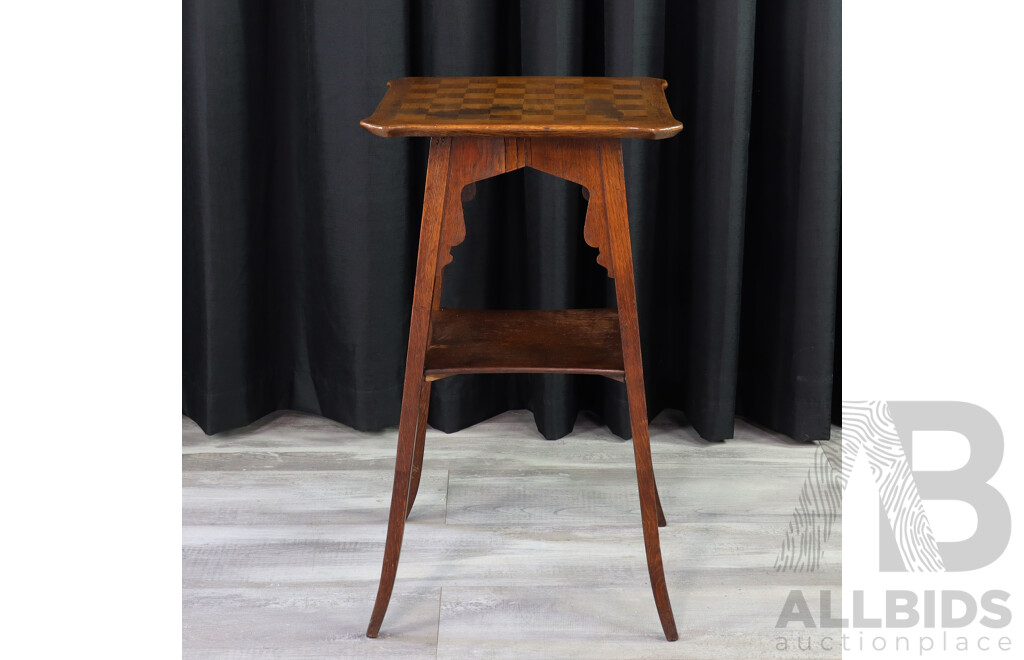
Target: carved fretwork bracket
point(581, 161)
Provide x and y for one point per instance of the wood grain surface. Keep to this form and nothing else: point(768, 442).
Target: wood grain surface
point(577, 341)
point(529, 106)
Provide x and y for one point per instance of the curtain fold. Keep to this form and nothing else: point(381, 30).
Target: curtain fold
point(300, 228)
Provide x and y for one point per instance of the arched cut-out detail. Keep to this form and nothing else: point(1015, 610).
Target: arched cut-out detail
point(472, 160)
point(576, 160)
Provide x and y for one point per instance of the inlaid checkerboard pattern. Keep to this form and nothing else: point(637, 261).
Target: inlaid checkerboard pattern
point(512, 99)
point(509, 105)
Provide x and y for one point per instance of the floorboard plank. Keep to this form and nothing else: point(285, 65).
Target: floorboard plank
point(612, 623)
point(517, 546)
point(284, 621)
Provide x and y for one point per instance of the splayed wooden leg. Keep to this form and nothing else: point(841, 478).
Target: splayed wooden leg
point(622, 261)
point(434, 199)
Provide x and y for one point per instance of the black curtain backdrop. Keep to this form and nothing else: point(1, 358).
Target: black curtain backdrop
point(300, 228)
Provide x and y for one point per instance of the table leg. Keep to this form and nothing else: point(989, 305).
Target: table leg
point(419, 331)
point(622, 260)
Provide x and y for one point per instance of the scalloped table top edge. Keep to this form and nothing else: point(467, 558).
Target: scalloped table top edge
point(525, 106)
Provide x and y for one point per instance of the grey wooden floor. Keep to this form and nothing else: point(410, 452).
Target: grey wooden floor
point(518, 547)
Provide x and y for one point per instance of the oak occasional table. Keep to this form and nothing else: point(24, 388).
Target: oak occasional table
point(478, 128)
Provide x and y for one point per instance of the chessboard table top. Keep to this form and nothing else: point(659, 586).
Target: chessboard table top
point(531, 106)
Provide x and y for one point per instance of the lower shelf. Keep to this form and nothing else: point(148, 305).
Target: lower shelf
point(566, 341)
